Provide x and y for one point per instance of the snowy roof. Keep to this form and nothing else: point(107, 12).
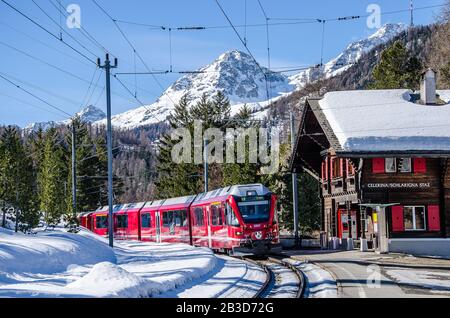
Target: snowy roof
point(383, 120)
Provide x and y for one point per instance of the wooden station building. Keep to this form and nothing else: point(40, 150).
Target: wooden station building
point(381, 147)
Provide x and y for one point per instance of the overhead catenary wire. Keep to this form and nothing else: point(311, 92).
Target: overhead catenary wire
point(58, 69)
point(35, 96)
point(81, 28)
point(33, 105)
point(134, 48)
point(48, 32)
point(246, 47)
point(63, 30)
point(268, 46)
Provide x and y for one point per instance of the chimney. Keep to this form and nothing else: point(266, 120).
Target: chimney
point(428, 87)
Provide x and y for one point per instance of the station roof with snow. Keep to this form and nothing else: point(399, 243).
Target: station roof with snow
point(368, 123)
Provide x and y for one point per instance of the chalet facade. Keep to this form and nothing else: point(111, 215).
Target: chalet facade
point(381, 148)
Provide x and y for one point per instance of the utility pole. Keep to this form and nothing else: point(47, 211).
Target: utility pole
point(205, 163)
point(107, 67)
point(74, 172)
point(294, 183)
point(411, 8)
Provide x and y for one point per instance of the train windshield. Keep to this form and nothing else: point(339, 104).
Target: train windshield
point(254, 210)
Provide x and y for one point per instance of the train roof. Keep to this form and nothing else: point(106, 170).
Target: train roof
point(129, 206)
point(235, 190)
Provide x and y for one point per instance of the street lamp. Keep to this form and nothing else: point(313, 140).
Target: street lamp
point(382, 239)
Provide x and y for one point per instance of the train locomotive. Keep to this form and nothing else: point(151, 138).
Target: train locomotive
point(239, 219)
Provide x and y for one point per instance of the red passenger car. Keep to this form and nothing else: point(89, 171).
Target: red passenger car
point(99, 221)
point(127, 221)
point(236, 219)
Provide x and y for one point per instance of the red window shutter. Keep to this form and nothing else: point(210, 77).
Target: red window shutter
point(420, 165)
point(341, 167)
point(378, 165)
point(397, 219)
point(434, 221)
point(323, 171)
point(326, 169)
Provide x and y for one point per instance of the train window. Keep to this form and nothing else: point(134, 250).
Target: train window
point(101, 222)
point(168, 218)
point(146, 220)
point(199, 220)
point(182, 218)
point(230, 216)
point(254, 212)
point(216, 215)
point(122, 221)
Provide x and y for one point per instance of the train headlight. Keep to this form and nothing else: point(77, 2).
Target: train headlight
point(239, 233)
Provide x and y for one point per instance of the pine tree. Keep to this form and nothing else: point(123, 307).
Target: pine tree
point(396, 69)
point(246, 172)
point(53, 178)
point(17, 189)
point(87, 163)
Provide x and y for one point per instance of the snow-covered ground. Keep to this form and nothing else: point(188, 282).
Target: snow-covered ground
point(437, 281)
point(60, 264)
point(319, 282)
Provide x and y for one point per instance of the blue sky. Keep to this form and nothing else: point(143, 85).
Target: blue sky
point(291, 45)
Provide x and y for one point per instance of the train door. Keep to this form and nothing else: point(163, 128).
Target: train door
point(158, 227)
point(219, 231)
point(207, 211)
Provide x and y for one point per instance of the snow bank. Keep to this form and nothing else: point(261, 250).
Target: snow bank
point(383, 120)
point(60, 264)
point(49, 252)
point(319, 282)
point(436, 280)
point(109, 280)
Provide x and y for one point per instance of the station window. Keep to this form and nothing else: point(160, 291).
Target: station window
point(101, 222)
point(122, 221)
point(216, 215)
point(391, 165)
point(404, 165)
point(146, 220)
point(414, 218)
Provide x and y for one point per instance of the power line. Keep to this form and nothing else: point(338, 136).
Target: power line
point(81, 29)
point(33, 95)
point(248, 50)
point(268, 42)
point(47, 31)
point(32, 105)
point(67, 33)
point(134, 49)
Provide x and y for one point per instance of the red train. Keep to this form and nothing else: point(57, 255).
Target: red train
point(239, 219)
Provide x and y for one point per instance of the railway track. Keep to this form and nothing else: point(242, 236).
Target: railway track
point(283, 279)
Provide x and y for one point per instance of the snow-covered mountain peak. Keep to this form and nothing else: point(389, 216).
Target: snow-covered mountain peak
point(349, 56)
point(91, 114)
point(234, 73)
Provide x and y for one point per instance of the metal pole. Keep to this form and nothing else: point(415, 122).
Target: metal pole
point(16, 229)
point(74, 173)
point(205, 163)
point(294, 185)
point(107, 66)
